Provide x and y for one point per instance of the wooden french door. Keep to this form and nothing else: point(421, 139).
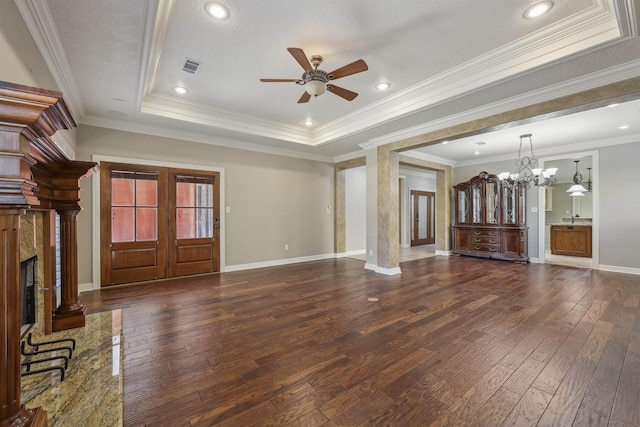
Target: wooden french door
point(194, 224)
point(423, 208)
point(157, 222)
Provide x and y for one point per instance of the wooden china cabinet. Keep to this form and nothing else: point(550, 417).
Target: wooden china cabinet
point(490, 220)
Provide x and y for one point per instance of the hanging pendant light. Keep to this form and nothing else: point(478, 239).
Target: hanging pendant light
point(577, 189)
point(527, 171)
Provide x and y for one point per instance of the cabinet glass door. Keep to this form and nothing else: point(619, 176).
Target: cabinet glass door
point(476, 194)
point(463, 206)
point(492, 202)
point(509, 205)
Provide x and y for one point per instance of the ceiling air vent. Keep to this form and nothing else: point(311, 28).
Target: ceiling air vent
point(190, 66)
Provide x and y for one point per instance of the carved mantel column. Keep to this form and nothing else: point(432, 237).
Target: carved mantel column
point(12, 412)
point(70, 313)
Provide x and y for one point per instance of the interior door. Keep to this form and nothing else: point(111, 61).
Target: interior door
point(133, 242)
point(194, 223)
point(423, 208)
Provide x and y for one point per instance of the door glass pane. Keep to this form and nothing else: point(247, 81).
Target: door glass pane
point(194, 212)
point(134, 202)
point(146, 224)
point(422, 217)
point(146, 192)
point(185, 220)
point(185, 194)
point(476, 193)
point(122, 190)
point(463, 206)
point(508, 206)
point(492, 202)
point(122, 224)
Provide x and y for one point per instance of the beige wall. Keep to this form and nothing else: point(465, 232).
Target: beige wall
point(274, 200)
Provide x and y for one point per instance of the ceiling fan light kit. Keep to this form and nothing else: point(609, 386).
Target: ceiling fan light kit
point(316, 81)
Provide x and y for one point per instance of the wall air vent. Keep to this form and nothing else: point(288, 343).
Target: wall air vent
point(190, 66)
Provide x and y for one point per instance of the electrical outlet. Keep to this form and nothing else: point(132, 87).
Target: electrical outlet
point(228, 209)
point(286, 247)
point(328, 208)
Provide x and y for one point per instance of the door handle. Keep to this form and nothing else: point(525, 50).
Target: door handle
point(216, 226)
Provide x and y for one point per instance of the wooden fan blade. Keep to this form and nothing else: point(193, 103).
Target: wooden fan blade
point(344, 93)
point(298, 55)
point(306, 96)
point(278, 80)
point(353, 68)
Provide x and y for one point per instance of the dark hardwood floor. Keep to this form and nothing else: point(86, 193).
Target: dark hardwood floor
point(453, 341)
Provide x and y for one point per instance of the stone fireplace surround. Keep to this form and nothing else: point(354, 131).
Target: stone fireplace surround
point(35, 175)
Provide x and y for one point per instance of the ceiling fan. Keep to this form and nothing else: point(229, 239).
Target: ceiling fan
point(316, 81)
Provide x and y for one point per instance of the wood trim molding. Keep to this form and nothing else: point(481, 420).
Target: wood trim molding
point(34, 172)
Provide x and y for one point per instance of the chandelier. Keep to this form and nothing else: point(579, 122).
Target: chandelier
point(577, 189)
point(527, 172)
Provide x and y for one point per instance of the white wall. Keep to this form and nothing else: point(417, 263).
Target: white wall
point(619, 207)
point(356, 209)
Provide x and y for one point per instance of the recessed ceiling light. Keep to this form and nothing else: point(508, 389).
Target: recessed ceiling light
point(217, 10)
point(538, 10)
point(612, 105)
point(445, 142)
point(180, 90)
point(623, 127)
point(476, 152)
point(308, 122)
point(383, 85)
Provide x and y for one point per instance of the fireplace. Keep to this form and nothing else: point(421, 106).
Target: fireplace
point(28, 274)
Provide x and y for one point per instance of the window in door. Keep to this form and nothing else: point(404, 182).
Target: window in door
point(194, 207)
point(134, 206)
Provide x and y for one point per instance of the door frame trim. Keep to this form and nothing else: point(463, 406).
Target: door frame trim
point(95, 206)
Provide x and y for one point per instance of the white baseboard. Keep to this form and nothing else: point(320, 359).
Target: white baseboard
point(277, 262)
point(356, 252)
point(382, 270)
point(405, 245)
point(618, 269)
point(535, 261)
point(372, 267)
point(444, 253)
point(85, 287)
point(388, 271)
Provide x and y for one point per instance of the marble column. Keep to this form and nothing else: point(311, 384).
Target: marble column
point(70, 313)
point(388, 208)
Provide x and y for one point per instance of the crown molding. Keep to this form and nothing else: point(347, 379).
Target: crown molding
point(156, 24)
point(172, 107)
point(39, 21)
point(605, 22)
point(627, 17)
point(593, 27)
point(429, 158)
point(611, 75)
point(155, 130)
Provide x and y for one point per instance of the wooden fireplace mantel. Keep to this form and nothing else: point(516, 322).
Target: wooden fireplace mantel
point(34, 173)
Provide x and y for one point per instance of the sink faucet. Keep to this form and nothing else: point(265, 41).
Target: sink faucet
point(572, 218)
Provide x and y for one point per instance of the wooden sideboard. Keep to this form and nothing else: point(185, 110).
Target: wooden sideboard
point(490, 219)
point(571, 240)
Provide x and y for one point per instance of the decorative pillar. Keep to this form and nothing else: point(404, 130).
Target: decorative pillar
point(70, 313)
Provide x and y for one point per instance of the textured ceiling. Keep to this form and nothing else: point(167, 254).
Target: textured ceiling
point(118, 60)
